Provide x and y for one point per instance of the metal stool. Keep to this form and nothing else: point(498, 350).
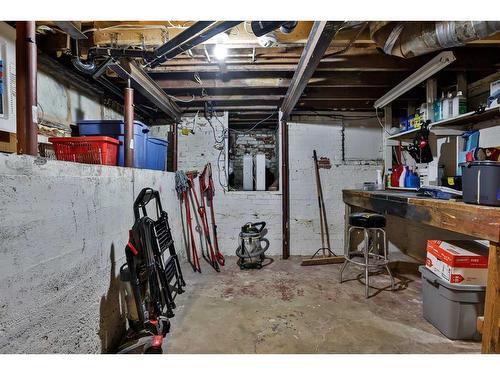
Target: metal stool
point(374, 253)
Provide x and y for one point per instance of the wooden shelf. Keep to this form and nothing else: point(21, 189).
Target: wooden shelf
point(442, 127)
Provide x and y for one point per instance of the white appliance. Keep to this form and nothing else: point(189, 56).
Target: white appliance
point(260, 172)
point(247, 172)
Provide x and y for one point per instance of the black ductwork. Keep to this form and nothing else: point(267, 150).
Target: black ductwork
point(87, 67)
point(288, 27)
point(260, 28)
point(196, 34)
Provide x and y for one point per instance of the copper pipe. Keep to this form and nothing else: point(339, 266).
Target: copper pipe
point(26, 99)
point(129, 126)
point(31, 90)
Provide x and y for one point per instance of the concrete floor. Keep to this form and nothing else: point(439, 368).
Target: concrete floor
point(286, 308)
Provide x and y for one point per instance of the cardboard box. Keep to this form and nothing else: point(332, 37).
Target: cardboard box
point(458, 262)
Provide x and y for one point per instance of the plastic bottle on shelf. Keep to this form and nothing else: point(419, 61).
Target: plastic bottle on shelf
point(438, 108)
point(388, 178)
point(459, 104)
point(446, 103)
point(402, 176)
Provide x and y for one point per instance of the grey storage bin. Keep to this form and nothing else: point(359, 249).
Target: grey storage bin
point(481, 182)
point(453, 309)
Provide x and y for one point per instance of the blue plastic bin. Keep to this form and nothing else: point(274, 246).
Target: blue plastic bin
point(156, 153)
point(115, 129)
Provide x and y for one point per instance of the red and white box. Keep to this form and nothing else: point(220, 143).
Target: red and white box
point(458, 262)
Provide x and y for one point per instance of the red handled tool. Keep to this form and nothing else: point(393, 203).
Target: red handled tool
point(207, 189)
point(211, 259)
point(195, 260)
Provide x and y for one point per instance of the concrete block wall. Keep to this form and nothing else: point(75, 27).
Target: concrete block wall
point(63, 228)
point(233, 209)
point(326, 138)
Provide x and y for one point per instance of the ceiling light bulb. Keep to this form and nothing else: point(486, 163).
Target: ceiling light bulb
point(220, 51)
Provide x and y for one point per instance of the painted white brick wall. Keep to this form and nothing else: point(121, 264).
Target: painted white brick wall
point(326, 138)
point(233, 209)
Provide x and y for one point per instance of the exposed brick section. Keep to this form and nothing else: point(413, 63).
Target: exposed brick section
point(256, 141)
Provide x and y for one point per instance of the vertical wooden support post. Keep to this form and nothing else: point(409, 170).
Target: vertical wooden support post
point(285, 188)
point(430, 96)
point(129, 126)
point(387, 143)
point(462, 83)
point(491, 327)
point(26, 97)
point(175, 145)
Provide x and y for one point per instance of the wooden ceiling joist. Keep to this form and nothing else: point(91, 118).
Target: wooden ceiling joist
point(318, 41)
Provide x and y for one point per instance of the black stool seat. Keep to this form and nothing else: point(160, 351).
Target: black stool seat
point(367, 220)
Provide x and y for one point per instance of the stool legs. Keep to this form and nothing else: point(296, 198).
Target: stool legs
point(347, 247)
point(386, 256)
point(367, 260)
point(374, 238)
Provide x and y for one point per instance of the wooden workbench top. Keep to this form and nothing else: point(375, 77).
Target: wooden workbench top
point(475, 220)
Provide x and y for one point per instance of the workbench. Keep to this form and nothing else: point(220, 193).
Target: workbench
point(482, 222)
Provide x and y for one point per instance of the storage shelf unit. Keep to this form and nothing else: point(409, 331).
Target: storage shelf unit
point(440, 127)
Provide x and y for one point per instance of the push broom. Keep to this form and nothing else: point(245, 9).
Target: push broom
point(324, 255)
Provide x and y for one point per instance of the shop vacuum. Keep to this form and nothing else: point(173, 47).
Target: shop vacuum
point(252, 246)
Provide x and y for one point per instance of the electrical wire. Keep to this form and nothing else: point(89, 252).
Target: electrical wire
point(254, 126)
point(380, 122)
point(182, 100)
point(349, 44)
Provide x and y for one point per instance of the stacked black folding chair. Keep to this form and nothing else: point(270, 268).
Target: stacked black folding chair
point(156, 234)
point(154, 275)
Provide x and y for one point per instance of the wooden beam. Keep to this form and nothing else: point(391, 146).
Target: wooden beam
point(319, 39)
point(218, 83)
point(491, 326)
point(139, 80)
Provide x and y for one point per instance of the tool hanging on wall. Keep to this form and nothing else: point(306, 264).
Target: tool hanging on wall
point(420, 149)
point(184, 191)
point(207, 190)
point(327, 255)
point(210, 257)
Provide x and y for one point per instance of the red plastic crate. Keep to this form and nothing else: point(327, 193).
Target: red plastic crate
point(88, 150)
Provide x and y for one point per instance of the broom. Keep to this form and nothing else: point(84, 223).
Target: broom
point(327, 256)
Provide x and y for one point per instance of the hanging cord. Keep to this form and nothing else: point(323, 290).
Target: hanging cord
point(181, 182)
point(350, 43)
point(253, 127)
point(380, 122)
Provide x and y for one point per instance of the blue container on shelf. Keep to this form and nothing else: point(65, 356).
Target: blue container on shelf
point(115, 129)
point(156, 153)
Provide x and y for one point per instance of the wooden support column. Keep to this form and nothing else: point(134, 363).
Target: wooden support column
point(26, 99)
point(285, 188)
point(387, 142)
point(491, 326)
point(129, 126)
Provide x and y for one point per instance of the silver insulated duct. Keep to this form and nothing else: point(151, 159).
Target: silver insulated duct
point(409, 39)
